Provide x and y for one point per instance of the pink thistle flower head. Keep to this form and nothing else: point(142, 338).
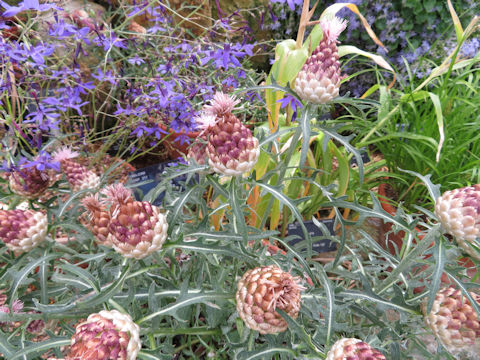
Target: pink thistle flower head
point(64, 153)
point(118, 194)
point(221, 104)
point(332, 28)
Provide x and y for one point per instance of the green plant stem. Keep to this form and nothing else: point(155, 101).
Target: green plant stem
point(117, 306)
point(281, 176)
point(141, 271)
point(181, 347)
point(151, 340)
point(251, 340)
point(186, 331)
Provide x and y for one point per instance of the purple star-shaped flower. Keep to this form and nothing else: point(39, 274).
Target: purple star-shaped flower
point(25, 5)
point(293, 102)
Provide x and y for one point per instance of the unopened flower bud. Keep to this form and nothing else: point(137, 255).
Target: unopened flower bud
point(319, 79)
point(459, 212)
point(78, 176)
point(136, 228)
point(263, 290)
point(98, 219)
point(22, 230)
point(29, 182)
point(354, 349)
point(106, 335)
point(455, 322)
point(232, 149)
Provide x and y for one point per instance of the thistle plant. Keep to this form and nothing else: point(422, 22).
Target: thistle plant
point(232, 149)
point(106, 335)
point(136, 229)
point(193, 275)
point(458, 211)
point(30, 182)
point(261, 291)
point(455, 322)
point(345, 349)
point(98, 219)
point(78, 176)
point(198, 151)
point(319, 79)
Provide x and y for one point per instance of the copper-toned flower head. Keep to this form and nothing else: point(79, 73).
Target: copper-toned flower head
point(98, 218)
point(455, 322)
point(459, 212)
point(136, 228)
point(22, 230)
point(353, 349)
point(106, 335)
point(319, 79)
point(29, 182)
point(263, 290)
point(78, 176)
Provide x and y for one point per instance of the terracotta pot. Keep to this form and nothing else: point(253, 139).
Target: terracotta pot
point(173, 142)
point(395, 240)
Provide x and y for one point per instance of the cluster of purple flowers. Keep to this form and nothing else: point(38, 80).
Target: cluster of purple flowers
point(42, 161)
point(158, 76)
